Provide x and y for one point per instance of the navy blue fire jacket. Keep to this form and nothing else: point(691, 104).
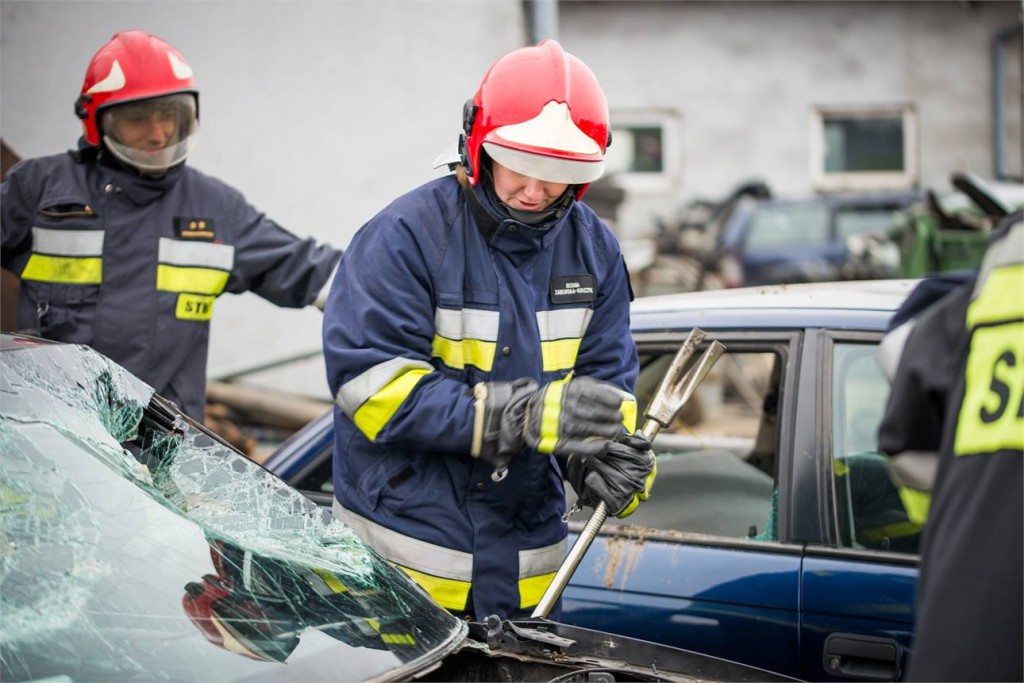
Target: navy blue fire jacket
point(131, 265)
point(424, 307)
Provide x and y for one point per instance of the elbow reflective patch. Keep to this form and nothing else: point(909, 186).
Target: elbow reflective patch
point(194, 280)
point(377, 411)
point(194, 307)
point(916, 503)
point(560, 354)
point(64, 269)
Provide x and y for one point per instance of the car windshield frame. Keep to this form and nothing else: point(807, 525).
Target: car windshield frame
point(140, 545)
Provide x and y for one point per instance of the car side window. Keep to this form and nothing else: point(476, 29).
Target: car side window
point(852, 221)
point(717, 462)
point(318, 478)
point(870, 509)
point(795, 225)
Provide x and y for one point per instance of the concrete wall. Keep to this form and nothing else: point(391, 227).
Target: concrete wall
point(319, 112)
point(744, 77)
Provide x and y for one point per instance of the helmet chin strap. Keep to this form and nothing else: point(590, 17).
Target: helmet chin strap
point(556, 210)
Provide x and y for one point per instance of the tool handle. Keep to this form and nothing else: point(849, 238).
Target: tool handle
point(582, 544)
point(675, 390)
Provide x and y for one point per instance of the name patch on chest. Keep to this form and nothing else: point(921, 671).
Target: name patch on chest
point(193, 228)
point(573, 289)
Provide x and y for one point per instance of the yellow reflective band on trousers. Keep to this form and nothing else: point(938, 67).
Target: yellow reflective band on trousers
point(194, 280)
point(71, 270)
point(372, 415)
point(458, 353)
point(990, 415)
point(449, 593)
point(550, 416)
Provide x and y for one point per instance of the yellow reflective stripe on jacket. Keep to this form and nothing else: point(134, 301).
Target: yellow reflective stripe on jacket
point(537, 568)
point(1000, 299)
point(371, 417)
point(192, 280)
point(63, 269)
point(561, 332)
point(457, 354)
point(465, 336)
point(443, 572)
point(194, 267)
point(65, 256)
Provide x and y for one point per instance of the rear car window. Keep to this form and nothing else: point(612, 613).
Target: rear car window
point(789, 226)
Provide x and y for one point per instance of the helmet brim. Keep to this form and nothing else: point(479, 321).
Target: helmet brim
point(545, 168)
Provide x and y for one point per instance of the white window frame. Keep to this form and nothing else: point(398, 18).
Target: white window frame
point(669, 122)
point(863, 180)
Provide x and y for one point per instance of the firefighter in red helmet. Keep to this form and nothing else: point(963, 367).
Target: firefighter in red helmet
point(119, 245)
point(477, 343)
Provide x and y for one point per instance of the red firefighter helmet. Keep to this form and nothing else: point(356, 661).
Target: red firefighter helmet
point(133, 65)
point(539, 111)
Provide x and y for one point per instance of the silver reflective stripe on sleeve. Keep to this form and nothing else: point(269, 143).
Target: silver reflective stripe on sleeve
point(196, 254)
point(407, 551)
point(67, 242)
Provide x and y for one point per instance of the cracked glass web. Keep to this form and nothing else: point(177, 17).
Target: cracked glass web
point(134, 551)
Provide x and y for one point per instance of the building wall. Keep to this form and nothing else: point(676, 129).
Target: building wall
point(743, 78)
point(320, 112)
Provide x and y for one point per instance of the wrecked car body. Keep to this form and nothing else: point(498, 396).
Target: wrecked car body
point(137, 545)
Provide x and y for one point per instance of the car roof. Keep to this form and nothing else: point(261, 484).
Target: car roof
point(859, 304)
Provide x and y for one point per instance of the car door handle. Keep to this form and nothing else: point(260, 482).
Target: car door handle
point(865, 658)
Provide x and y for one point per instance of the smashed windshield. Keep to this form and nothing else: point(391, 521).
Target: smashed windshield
point(136, 546)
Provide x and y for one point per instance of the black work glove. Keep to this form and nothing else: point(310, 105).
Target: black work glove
point(575, 415)
point(621, 475)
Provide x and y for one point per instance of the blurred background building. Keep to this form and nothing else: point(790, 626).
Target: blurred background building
point(321, 112)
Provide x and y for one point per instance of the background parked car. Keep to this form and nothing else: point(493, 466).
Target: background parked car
point(778, 241)
point(139, 546)
point(774, 535)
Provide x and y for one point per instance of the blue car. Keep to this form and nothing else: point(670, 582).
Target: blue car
point(778, 241)
point(774, 535)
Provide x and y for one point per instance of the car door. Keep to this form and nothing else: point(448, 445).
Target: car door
point(706, 563)
point(859, 575)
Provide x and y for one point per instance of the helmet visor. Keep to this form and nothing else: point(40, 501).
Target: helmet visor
point(548, 169)
point(154, 134)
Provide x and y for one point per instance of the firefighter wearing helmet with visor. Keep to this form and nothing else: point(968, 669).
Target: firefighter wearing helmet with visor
point(121, 246)
point(477, 343)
